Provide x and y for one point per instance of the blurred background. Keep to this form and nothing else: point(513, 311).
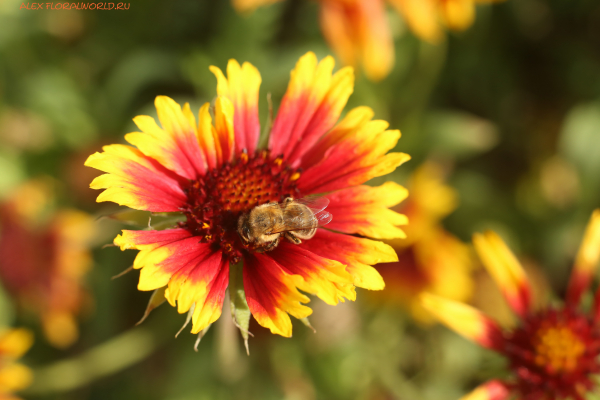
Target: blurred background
point(502, 121)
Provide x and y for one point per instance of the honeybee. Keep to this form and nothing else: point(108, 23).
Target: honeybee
point(296, 220)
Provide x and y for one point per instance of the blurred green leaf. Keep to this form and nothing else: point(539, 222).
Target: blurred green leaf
point(7, 312)
point(134, 73)
point(52, 93)
point(580, 138)
point(460, 134)
point(12, 171)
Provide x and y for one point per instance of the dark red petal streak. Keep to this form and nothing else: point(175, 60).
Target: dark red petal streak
point(158, 188)
point(137, 239)
point(271, 294)
point(216, 295)
point(358, 254)
point(351, 162)
point(135, 180)
point(578, 284)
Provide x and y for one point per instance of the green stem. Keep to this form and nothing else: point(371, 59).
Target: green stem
point(105, 359)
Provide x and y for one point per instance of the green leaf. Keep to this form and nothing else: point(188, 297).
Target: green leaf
point(306, 323)
point(145, 219)
point(239, 306)
point(156, 300)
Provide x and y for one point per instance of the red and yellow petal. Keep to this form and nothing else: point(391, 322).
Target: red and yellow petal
point(209, 143)
point(491, 390)
point(357, 254)
point(224, 128)
point(208, 311)
point(365, 210)
point(355, 119)
point(422, 16)
point(196, 275)
point(311, 106)
point(241, 87)
point(200, 282)
point(505, 269)
point(155, 248)
point(250, 5)
point(196, 270)
point(358, 31)
point(217, 141)
point(323, 277)
point(586, 261)
point(464, 320)
point(458, 15)
point(135, 180)
point(175, 145)
point(272, 293)
point(355, 154)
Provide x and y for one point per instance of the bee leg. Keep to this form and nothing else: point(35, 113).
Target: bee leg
point(288, 200)
point(292, 238)
point(271, 245)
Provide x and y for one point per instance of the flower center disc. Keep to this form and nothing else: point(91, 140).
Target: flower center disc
point(216, 201)
point(557, 349)
point(554, 355)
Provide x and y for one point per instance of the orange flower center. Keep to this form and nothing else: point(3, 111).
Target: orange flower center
point(557, 349)
point(217, 200)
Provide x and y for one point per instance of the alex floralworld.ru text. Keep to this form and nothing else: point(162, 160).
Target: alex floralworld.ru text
point(75, 6)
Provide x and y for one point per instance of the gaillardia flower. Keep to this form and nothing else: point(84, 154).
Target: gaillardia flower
point(553, 351)
point(212, 171)
point(44, 257)
point(430, 259)
point(359, 32)
point(13, 376)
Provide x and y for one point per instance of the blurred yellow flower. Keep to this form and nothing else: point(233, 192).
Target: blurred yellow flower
point(358, 30)
point(44, 257)
point(13, 376)
point(430, 259)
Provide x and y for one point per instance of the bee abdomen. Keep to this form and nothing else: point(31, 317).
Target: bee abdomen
point(305, 234)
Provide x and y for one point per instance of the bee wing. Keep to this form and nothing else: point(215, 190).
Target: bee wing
point(302, 222)
point(315, 202)
point(323, 217)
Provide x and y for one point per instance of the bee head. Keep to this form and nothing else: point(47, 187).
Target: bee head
point(246, 233)
point(244, 228)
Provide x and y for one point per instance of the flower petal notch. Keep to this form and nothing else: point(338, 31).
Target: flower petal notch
point(255, 220)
